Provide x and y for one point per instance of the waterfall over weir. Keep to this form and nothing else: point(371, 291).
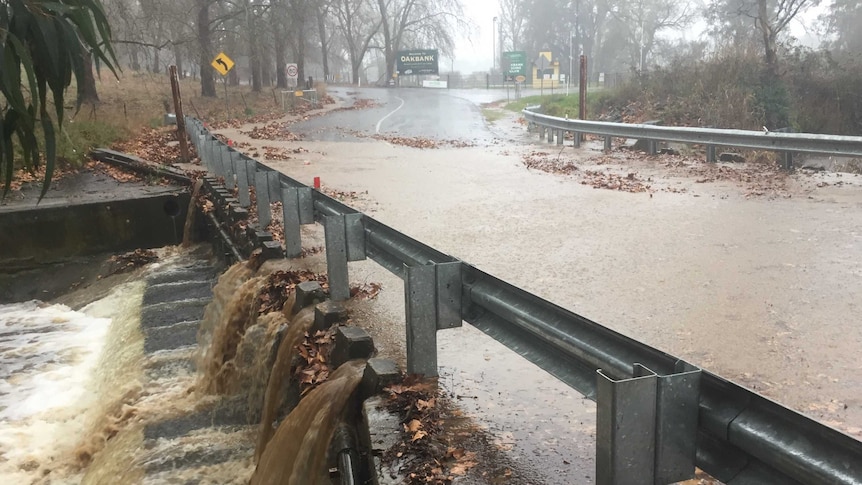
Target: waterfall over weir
point(164, 380)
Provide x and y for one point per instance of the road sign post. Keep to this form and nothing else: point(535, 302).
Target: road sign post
point(223, 64)
point(292, 71)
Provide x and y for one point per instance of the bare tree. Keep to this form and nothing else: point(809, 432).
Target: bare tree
point(770, 19)
point(643, 20)
point(321, 12)
point(513, 17)
point(428, 22)
point(841, 23)
point(205, 45)
point(358, 24)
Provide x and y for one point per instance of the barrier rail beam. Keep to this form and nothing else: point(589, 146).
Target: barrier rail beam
point(848, 146)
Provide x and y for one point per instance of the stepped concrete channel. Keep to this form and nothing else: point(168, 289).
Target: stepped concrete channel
point(192, 447)
point(174, 304)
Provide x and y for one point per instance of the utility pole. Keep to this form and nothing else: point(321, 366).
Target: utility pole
point(571, 62)
point(501, 46)
point(494, 45)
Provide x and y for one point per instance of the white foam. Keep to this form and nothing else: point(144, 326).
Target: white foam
point(47, 356)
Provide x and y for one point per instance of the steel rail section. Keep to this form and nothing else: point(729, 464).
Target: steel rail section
point(848, 146)
point(743, 438)
point(775, 442)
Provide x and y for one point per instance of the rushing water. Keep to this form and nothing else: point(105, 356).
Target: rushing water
point(297, 453)
point(82, 403)
point(57, 396)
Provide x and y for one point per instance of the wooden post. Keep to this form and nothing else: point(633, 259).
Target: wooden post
point(178, 110)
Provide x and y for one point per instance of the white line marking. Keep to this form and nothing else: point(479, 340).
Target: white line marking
point(377, 130)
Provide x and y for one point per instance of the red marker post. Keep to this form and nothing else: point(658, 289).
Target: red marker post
point(317, 183)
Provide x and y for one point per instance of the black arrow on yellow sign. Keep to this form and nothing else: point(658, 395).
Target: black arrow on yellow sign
point(222, 63)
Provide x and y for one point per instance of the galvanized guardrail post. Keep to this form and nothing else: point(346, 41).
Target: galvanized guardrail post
point(242, 183)
point(336, 257)
point(295, 213)
point(261, 192)
point(432, 301)
point(646, 426)
point(345, 241)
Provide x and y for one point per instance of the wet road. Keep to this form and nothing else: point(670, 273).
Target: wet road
point(763, 291)
point(445, 115)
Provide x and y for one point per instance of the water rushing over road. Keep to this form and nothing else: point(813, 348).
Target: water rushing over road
point(760, 289)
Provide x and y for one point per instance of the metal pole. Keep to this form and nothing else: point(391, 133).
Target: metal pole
point(494, 45)
point(226, 102)
point(501, 49)
point(569, 79)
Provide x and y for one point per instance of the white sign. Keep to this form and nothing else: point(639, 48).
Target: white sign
point(434, 84)
point(292, 71)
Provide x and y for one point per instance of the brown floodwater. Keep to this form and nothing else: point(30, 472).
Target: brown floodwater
point(761, 290)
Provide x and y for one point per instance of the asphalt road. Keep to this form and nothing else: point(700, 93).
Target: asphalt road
point(438, 114)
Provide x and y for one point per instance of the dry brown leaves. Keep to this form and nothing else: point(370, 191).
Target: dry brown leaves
point(342, 195)
point(273, 131)
point(277, 153)
point(361, 103)
point(460, 143)
point(611, 181)
point(281, 284)
point(543, 161)
point(408, 141)
point(238, 122)
point(115, 173)
point(421, 142)
point(422, 453)
point(158, 145)
point(757, 179)
point(314, 352)
point(124, 263)
point(310, 251)
point(24, 176)
point(365, 291)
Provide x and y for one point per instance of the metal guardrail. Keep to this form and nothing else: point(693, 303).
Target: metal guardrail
point(787, 143)
point(657, 415)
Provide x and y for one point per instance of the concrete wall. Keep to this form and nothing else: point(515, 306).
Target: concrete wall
point(38, 235)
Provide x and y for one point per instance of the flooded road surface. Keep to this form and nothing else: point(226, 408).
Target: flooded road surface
point(761, 290)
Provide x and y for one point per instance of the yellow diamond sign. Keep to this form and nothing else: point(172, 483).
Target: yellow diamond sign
point(222, 63)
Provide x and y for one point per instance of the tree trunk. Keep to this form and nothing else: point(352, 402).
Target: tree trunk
point(178, 58)
point(300, 53)
point(208, 88)
point(156, 60)
point(387, 41)
point(771, 86)
point(278, 35)
point(87, 89)
point(133, 54)
point(324, 42)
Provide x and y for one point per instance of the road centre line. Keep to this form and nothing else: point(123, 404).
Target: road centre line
point(377, 130)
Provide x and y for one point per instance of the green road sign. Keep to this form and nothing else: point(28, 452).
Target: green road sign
point(419, 61)
point(515, 65)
